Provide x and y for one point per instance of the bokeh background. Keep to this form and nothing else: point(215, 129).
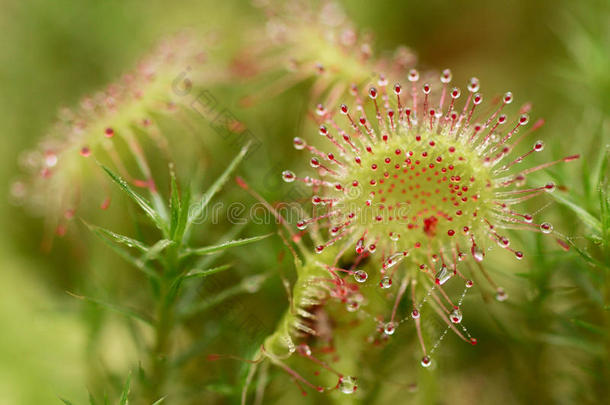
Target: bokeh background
point(548, 344)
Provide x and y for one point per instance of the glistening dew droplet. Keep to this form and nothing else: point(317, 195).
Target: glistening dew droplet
point(288, 176)
point(360, 276)
point(386, 282)
point(347, 385)
point(546, 227)
point(389, 328)
point(501, 295)
point(442, 275)
point(455, 316)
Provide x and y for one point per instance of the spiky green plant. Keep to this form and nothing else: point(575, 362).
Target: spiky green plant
point(171, 267)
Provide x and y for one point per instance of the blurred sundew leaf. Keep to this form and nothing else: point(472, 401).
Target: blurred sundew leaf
point(141, 201)
point(211, 192)
point(129, 312)
point(159, 401)
point(65, 401)
point(206, 250)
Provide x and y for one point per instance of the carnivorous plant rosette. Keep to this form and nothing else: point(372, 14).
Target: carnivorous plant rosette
point(418, 182)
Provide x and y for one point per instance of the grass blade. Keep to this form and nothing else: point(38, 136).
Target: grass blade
point(206, 250)
point(92, 400)
point(137, 263)
point(183, 217)
point(589, 220)
point(207, 272)
point(118, 238)
point(175, 205)
point(155, 250)
point(207, 196)
point(125, 395)
point(590, 327)
point(131, 313)
point(247, 285)
point(141, 201)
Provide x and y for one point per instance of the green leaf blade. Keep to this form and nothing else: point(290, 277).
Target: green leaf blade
point(589, 220)
point(198, 273)
point(175, 204)
point(128, 312)
point(206, 250)
point(211, 192)
point(125, 394)
point(138, 199)
point(118, 238)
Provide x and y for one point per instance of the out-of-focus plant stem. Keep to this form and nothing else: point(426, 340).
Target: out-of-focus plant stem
point(163, 327)
point(606, 310)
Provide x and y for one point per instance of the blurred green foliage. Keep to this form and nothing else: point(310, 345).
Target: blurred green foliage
point(548, 344)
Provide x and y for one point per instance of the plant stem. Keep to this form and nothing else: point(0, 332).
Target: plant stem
point(159, 355)
point(163, 328)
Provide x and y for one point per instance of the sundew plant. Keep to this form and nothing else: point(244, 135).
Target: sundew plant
point(305, 202)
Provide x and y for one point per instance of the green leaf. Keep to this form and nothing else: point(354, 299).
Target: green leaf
point(139, 264)
point(91, 399)
point(155, 250)
point(589, 220)
point(174, 288)
point(129, 312)
point(247, 285)
point(115, 237)
point(207, 272)
point(599, 169)
point(206, 261)
point(604, 208)
point(175, 205)
point(184, 215)
point(141, 201)
point(207, 196)
point(572, 343)
point(589, 326)
point(586, 256)
point(206, 250)
point(158, 401)
point(65, 401)
point(125, 395)
point(220, 388)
